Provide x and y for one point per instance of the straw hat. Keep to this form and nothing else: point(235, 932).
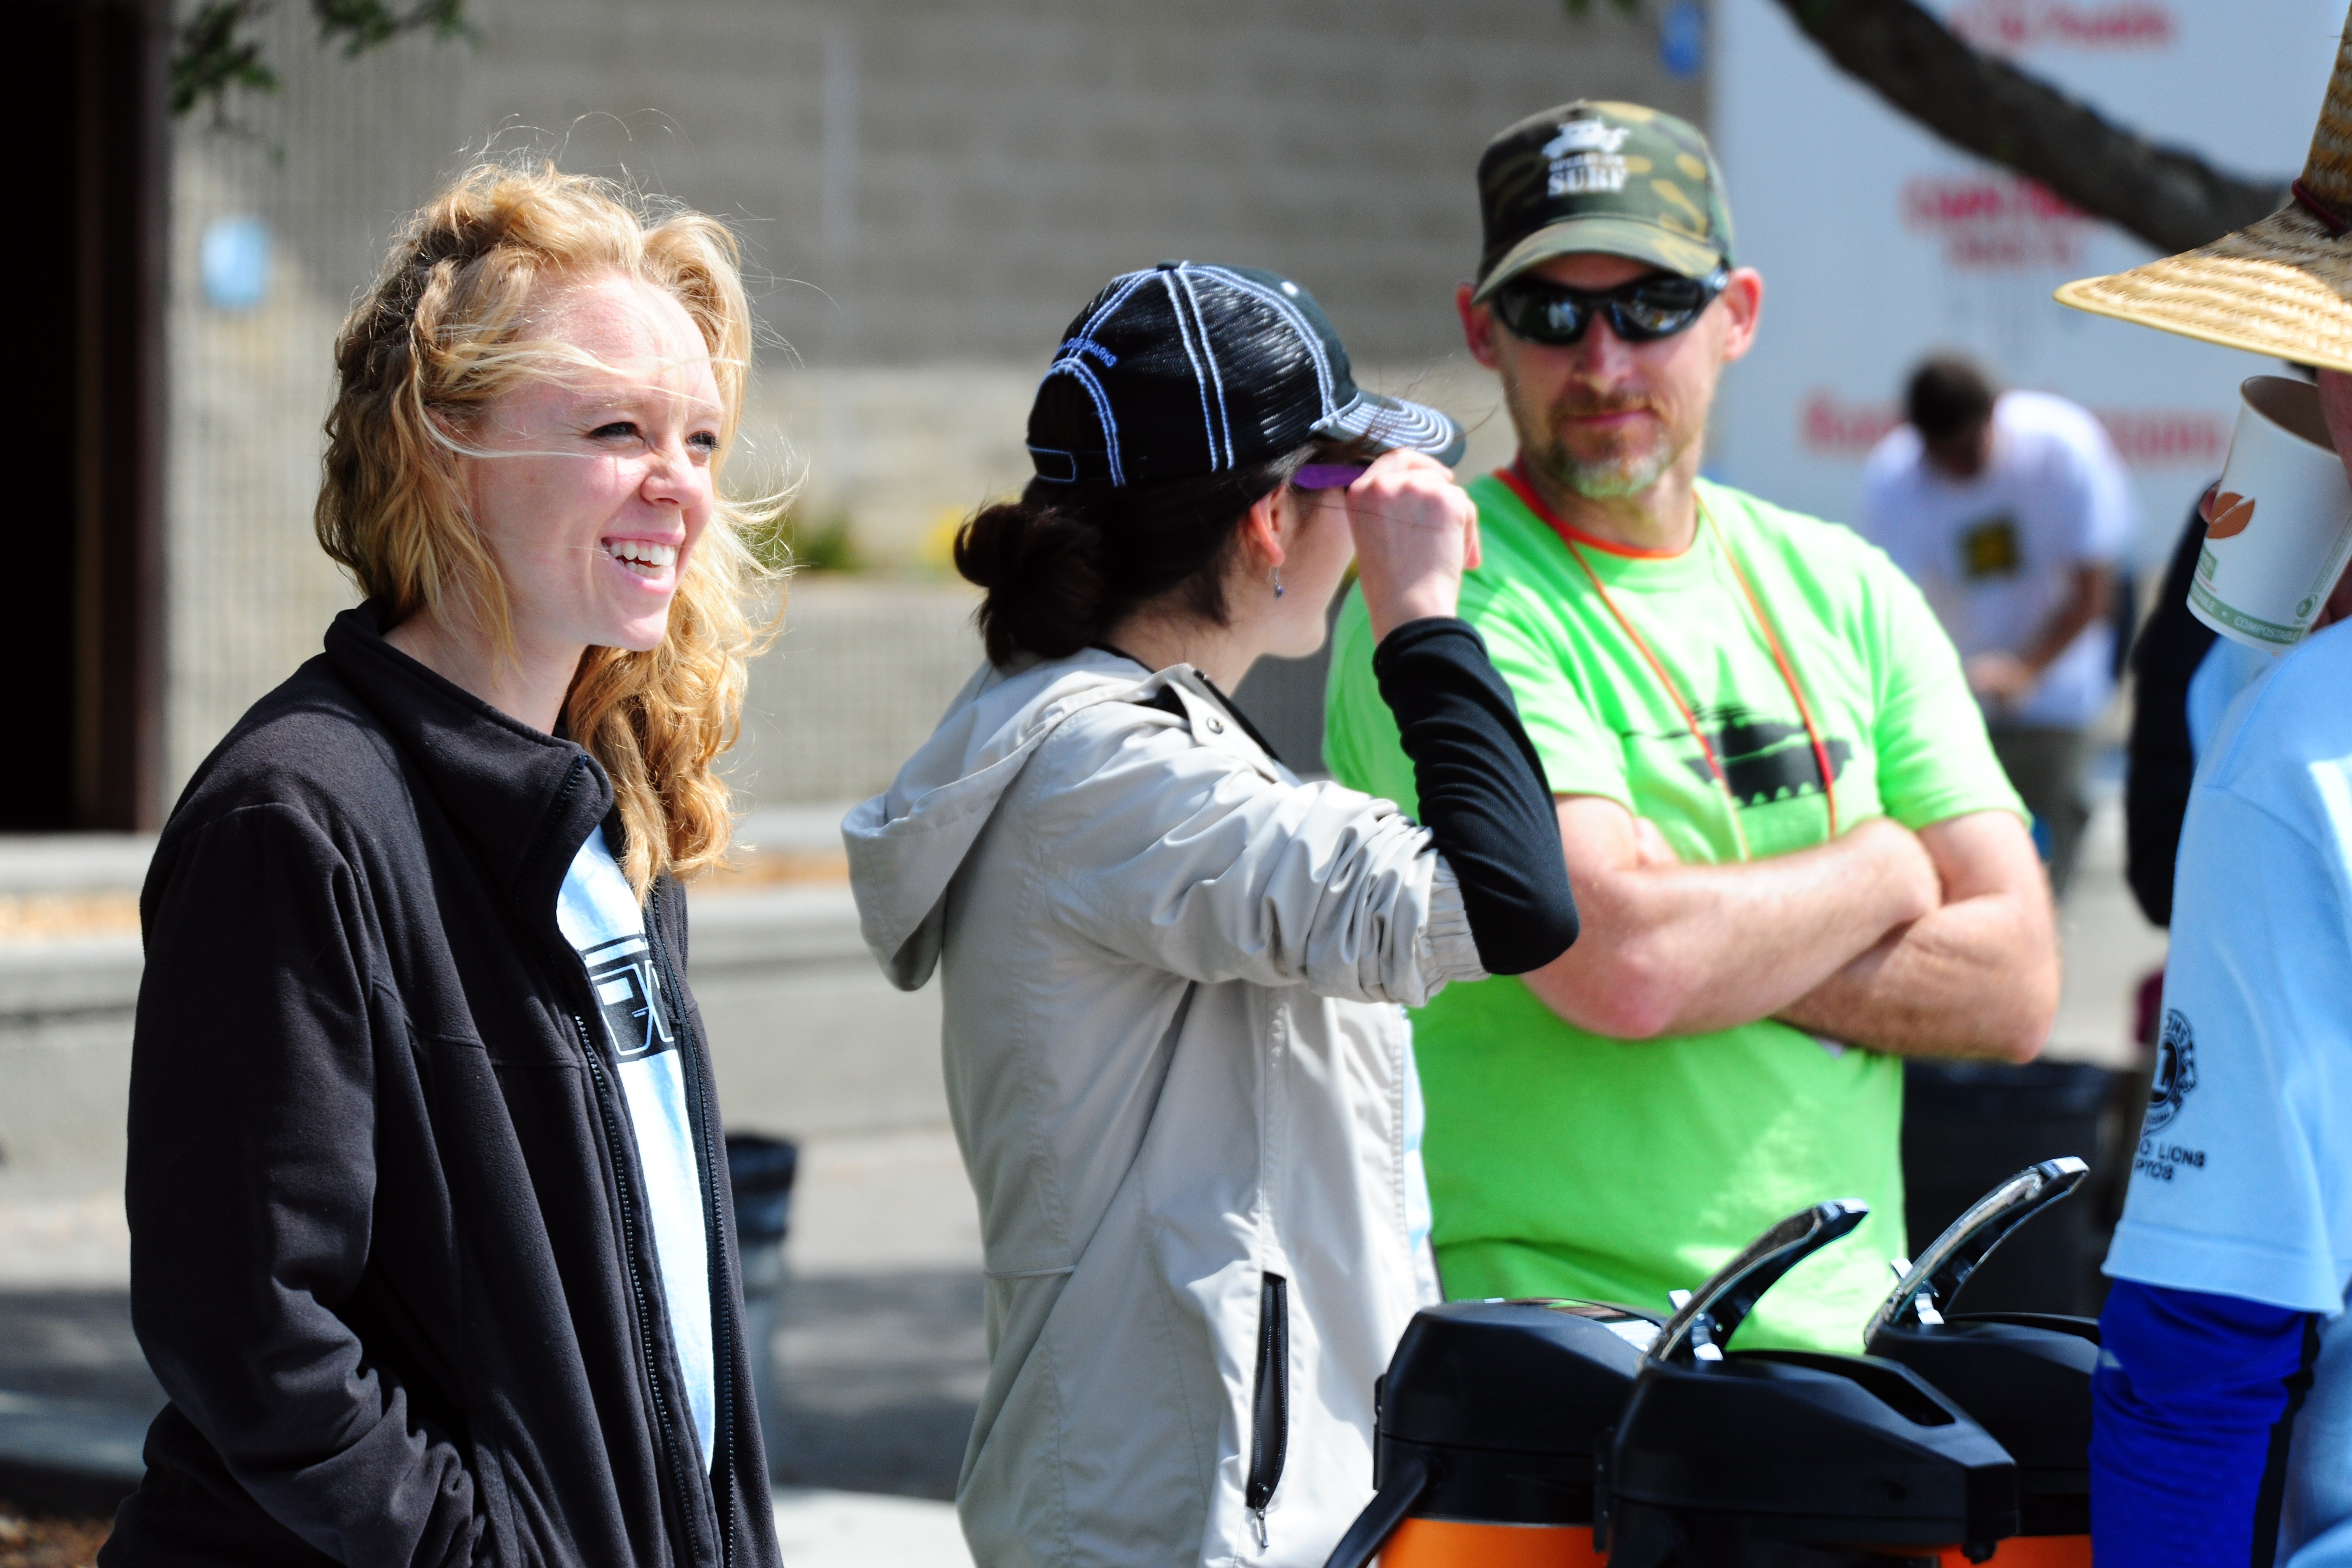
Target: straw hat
point(2282, 287)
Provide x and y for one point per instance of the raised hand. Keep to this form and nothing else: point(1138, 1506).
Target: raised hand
point(1416, 533)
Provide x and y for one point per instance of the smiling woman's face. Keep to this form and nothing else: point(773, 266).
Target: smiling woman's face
point(595, 488)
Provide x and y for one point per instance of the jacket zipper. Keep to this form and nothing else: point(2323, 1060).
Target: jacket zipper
point(722, 1359)
point(1270, 1407)
point(613, 1134)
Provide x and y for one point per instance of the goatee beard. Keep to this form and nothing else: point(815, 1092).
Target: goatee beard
point(1608, 478)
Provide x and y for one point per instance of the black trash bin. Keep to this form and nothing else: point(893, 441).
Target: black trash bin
point(1776, 1459)
point(1968, 1127)
point(1487, 1425)
point(761, 1170)
point(2025, 1377)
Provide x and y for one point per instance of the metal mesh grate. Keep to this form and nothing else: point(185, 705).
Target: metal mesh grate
point(307, 182)
point(856, 684)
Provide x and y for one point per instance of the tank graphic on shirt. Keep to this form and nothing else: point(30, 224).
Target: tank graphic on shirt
point(629, 992)
point(1764, 760)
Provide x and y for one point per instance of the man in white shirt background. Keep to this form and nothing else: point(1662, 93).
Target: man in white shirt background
point(2010, 510)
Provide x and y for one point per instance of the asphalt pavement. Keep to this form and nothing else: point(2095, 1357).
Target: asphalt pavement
point(879, 1342)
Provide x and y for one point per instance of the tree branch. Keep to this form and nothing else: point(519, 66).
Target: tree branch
point(215, 51)
point(213, 54)
point(2170, 198)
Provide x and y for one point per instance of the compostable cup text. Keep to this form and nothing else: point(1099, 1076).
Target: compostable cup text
point(2282, 520)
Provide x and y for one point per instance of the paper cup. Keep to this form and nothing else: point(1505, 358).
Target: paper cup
point(2282, 520)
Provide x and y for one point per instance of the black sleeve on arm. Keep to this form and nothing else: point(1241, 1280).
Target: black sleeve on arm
point(2160, 762)
point(1483, 796)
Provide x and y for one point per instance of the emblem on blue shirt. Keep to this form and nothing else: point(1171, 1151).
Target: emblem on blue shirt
point(2176, 1070)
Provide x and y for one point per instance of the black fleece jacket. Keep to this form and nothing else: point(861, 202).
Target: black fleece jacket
point(390, 1254)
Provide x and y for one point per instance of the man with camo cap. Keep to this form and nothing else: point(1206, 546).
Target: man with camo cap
point(1796, 855)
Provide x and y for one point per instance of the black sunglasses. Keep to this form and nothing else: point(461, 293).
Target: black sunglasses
point(1641, 312)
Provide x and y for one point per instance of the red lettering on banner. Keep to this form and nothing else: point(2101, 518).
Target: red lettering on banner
point(1832, 428)
point(2168, 438)
point(1828, 426)
point(2014, 26)
point(1994, 221)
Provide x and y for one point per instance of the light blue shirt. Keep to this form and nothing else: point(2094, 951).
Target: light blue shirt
point(2227, 668)
point(2242, 1183)
point(599, 916)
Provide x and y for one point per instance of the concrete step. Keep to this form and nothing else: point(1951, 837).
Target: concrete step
point(73, 862)
point(808, 1037)
point(112, 862)
point(856, 1529)
point(69, 1456)
point(76, 980)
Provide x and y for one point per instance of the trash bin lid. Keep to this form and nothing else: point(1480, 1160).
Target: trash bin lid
point(1807, 1446)
point(2025, 1378)
point(1800, 1447)
point(1491, 1411)
point(1541, 1376)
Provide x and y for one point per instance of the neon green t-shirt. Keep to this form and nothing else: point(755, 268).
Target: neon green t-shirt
point(1565, 1163)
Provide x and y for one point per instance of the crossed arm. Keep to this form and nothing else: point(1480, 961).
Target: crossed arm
point(1935, 943)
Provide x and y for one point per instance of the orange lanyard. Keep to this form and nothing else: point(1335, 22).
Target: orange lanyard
point(1515, 478)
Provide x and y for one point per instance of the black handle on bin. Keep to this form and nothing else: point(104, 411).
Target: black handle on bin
point(1704, 1323)
point(1381, 1517)
point(1969, 1240)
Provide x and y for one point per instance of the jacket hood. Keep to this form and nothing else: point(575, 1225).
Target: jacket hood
point(907, 844)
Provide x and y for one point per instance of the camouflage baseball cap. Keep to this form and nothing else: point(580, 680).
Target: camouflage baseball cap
point(1612, 177)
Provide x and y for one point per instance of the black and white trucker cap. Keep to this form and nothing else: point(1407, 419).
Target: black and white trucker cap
point(1188, 370)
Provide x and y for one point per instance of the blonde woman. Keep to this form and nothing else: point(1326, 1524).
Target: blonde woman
point(431, 1241)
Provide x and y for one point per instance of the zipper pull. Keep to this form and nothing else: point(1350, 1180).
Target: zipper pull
point(1257, 1526)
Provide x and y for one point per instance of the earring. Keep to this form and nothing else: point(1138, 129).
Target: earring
point(1278, 582)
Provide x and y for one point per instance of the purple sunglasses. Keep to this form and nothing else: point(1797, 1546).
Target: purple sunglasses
point(1327, 475)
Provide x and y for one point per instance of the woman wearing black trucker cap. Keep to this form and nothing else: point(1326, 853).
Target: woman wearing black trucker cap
point(1176, 1054)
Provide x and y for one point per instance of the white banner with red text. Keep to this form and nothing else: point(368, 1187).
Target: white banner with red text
point(1879, 243)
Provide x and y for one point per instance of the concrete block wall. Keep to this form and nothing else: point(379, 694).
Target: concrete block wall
point(942, 181)
point(327, 165)
point(927, 192)
point(855, 682)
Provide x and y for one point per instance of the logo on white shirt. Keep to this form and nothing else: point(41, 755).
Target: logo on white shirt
point(630, 995)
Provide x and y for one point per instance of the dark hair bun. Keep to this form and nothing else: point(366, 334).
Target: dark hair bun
point(1066, 563)
point(1042, 568)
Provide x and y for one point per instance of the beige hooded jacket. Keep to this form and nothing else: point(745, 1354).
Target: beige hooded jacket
point(1180, 1068)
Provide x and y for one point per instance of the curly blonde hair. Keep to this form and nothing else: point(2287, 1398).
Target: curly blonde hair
point(437, 338)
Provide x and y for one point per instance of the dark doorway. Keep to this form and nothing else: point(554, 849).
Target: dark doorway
point(84, 267)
